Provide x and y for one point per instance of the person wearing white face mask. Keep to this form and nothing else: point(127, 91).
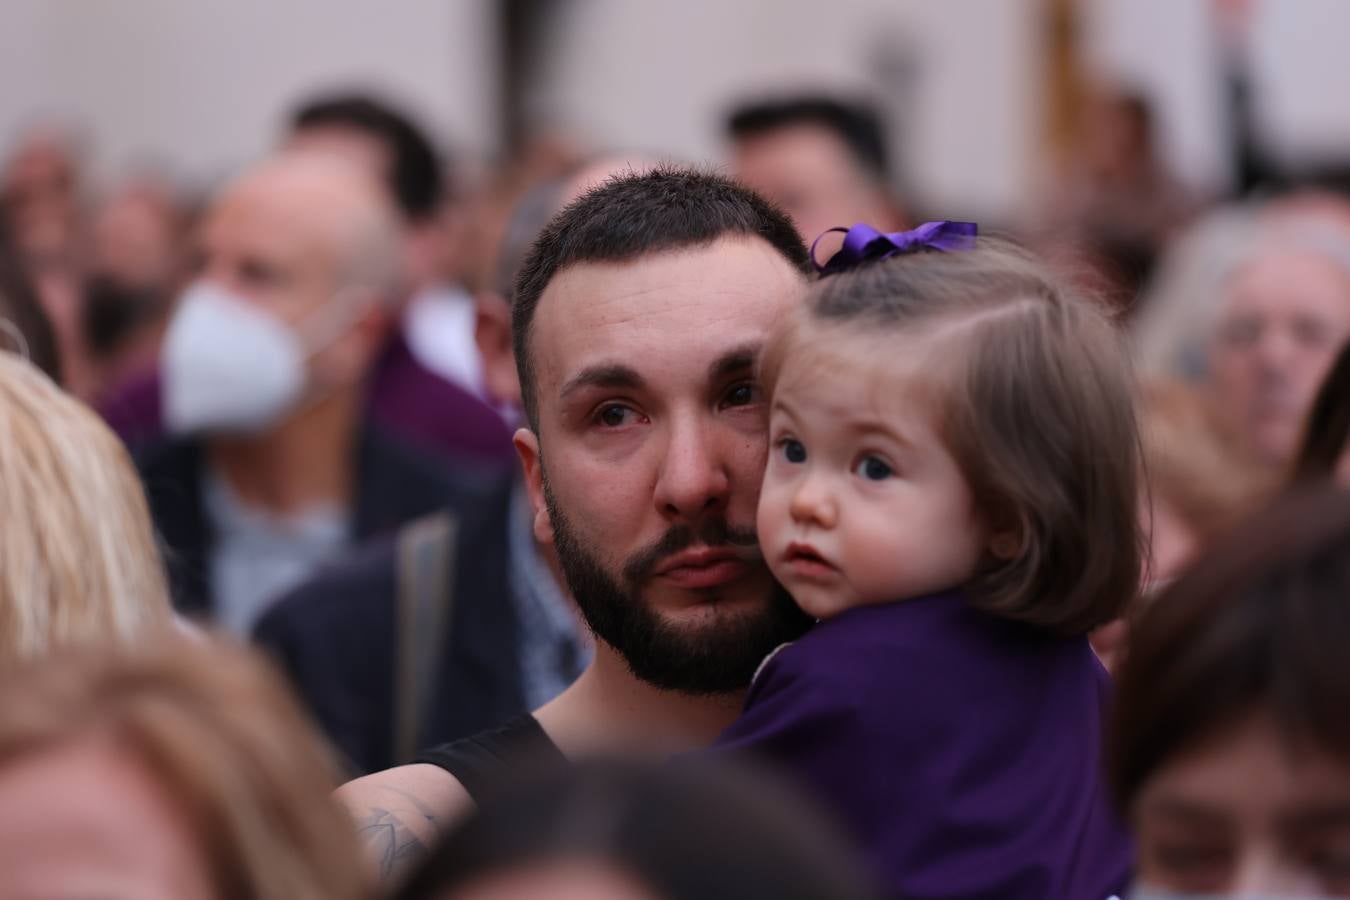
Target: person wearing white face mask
point(273, 469)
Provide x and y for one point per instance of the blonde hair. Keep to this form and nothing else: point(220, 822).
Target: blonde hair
point(1189, 466)
point(78, 558)
point(218, 730)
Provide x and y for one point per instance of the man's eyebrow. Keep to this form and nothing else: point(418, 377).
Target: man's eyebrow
point(735, 360)
point(603, 375)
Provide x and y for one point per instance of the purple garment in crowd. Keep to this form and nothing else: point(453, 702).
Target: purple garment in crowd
point(962, 751)
point(407, 401)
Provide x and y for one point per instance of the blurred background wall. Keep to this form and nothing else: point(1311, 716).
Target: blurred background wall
point(205, 86)
point(969, 86)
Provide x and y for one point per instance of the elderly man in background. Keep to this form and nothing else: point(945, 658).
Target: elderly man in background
point(265, 370)
point(427, 387)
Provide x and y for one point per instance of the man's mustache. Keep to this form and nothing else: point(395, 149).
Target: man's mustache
point(712, 533)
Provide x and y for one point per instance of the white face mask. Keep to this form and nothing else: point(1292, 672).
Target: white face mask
point(230, 367)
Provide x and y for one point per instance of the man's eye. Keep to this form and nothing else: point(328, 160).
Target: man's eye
point(792, 451)
point(615, 415)
point(742, 395)
point(874, 469)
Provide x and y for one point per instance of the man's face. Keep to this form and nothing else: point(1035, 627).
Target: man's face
point(651, 444)
point(285, 239)
point(270, 251)
point(424, 242)
point(1283, 319)
point(807, 170)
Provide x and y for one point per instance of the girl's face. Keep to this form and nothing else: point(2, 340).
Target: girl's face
point(862, 502)
point(1244, 814)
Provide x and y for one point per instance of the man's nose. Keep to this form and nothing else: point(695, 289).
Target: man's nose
point(694, 478)
point(1276, 352)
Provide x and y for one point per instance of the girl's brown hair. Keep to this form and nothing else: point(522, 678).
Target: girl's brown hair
point(1259, 624)
point(217, 728)
point(1035, 405)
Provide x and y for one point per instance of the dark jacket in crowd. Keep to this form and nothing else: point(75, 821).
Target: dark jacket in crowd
point(336, 638)
point(394, 485)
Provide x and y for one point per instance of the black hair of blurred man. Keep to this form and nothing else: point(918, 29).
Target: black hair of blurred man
point(411, 164)
point(824, 160)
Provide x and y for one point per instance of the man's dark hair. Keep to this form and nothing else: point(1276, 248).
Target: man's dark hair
point(414, 175)
point(856, 124)
point(634, 215)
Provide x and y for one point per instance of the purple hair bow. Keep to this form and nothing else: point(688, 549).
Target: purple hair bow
point(863, 242)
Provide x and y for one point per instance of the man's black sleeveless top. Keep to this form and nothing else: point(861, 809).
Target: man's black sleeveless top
point(482, 760)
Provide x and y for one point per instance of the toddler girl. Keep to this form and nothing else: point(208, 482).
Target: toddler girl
point(951, 491)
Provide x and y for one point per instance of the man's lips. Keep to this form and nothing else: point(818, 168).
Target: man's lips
point(808, 563)
point(703, 567)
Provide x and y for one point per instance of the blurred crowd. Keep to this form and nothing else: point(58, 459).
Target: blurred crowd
point(279, 513)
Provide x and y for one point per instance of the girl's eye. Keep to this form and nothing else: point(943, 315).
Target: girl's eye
point(742, 394)
point(614, 415)
point(793, 451)
point(873, 469)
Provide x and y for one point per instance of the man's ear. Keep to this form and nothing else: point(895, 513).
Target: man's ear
point(350, 358)
point(527, 446)
point(492, 333)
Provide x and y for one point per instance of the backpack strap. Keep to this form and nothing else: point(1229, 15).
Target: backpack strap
point(426, 565)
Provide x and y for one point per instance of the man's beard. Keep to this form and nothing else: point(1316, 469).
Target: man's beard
point(716, 656)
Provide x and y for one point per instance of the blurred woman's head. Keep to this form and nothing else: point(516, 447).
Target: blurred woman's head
point(180, 771)
point(78, 557)
point(1230, 740)
point(697, 830)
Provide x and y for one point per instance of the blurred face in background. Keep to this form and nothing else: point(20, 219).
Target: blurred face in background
point(424, 243)
point(1246, 813)
point(808, 171)
point(39, 188)
point(1282, 320)
point(87, 819)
